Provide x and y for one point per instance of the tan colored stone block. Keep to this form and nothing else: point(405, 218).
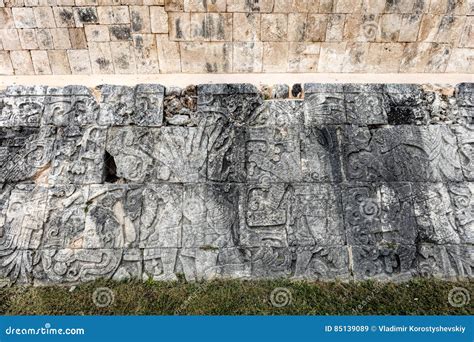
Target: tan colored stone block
point(216, 6)
point(438, 59)
point(153, 2)
point(123, 57)
point(303, 57)
point(275, 56)
point(79, 62)
point(335, 28)
point(6, 67)
point(168, 54)
point(22, 64)
point(174, 5)
point(461, 61)
point(205, 6)
point(282, 6)
point(355, 59)
point(297, 26)
point(85, 16)
point(263, 6)
point(86, 2)
point(44, 39)
point(24, 17)
point(438, 6)
point(44, 17)
point(112, 15)
point(59, 62)
point(274, 27)
point(409, 27)
point(101, 58)
point(316, 27)
point(390, 27)
point(40, 62)
point(77, 38)
point(467, 36)
point(247, 57)
point(429, 28)
point(415, 57)
point(373, 6)
point(373, 58)
point(65, 2)
point(179, 26)
point(61, 38)
point(331, 57)
point(326, 6)
point(400, 6)
point(449, 29)
point(146, 55)
point(31, 3)
point(246, 27)
point(10, 39)
point(6, 19)
point(211, 26)
point(365, 28)
point(28, 39)
point(347, 6)
point(141, 20)
point(64, 16)
point(159, 19)
point(97, 33)
point(203, 57)
point(390, 57)
point(120, 32)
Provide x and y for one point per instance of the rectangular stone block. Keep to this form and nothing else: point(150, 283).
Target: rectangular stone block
point(210, 216)
point(79, 155)
point(316, 216)
point(121, 105)
point(70, 106)
point(211, 57)
point(453, 262)
point(112, 216)
point(385, 262)
point(365, 105)
point(74, 266)
point(22, 110)
point(320, 150)
point(324, 105)
point(379, 214)
point(402, 153)
point(264, 211)
point(321, 263)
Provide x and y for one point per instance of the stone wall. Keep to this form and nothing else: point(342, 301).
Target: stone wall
point(59, 37)
point(345, 181)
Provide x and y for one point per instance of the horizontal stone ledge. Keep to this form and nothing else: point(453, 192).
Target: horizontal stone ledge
point(183, 80)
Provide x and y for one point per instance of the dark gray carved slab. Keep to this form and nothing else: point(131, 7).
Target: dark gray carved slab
point(347, 182)
point(22, 106)
point(71, 105)
point(401, 153)
point(324, 104)
point(78, 155)
point(122, 105)
point(25, 152)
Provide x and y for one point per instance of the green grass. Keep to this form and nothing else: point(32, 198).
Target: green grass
point(232, 297)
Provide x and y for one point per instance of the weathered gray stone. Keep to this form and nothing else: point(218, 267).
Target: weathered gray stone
point(402, 153)
point(78, 156)
point(356, 181)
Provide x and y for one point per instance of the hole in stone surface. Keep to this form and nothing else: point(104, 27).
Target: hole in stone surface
point(110, 168)
point(296, 90)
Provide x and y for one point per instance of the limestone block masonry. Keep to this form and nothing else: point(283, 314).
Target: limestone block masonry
point(321, 182)
point(83, 37)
